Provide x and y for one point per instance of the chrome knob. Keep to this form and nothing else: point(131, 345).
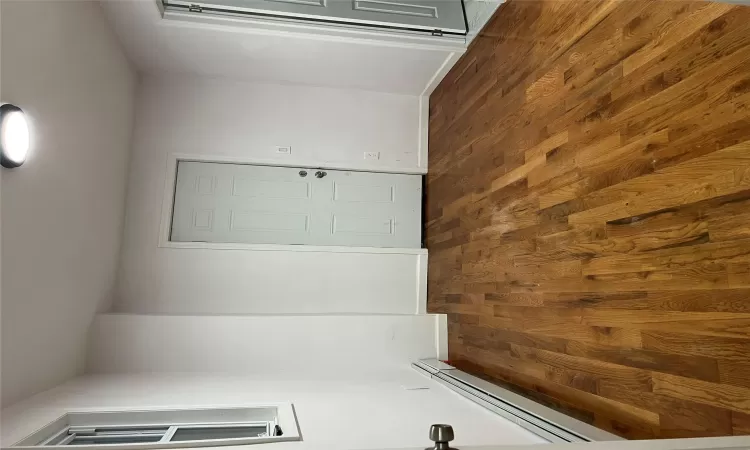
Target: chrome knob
point(441, 435)
point(320, 174)
point(303, 173)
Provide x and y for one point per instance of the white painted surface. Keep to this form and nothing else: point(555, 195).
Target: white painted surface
point(441, 337)
point(243, 203)
point(1, 221)
point(165, 426)
point(259, 344)
point(426, 15)
point(324, 127)
point(478, 13)
point(62, 211)
point(245, 122)
point(284, 53)
point(386, 409)
point(197, 281)
point(333, 413)
point(422, 263)
point(297, 249)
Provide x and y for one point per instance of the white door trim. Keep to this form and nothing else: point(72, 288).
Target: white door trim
point(421, 282)
point(295, 248)
point(170, 178)
point(422, 15)
point(450, 60)
point(424, 132)
point(317, 31)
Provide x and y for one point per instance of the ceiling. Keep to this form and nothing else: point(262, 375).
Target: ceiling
point(224, 49)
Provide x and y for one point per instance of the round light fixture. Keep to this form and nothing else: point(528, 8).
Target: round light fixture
point(14, 136)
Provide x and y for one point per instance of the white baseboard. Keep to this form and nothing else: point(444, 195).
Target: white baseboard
point(441, 336)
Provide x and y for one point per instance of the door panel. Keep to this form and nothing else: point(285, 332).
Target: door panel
point(248, 204)
point(249, 187)
point(248, 220)
point(372, 224)
point(444, 15)
point(347, 192)
point(233, 203)
point(375, 209)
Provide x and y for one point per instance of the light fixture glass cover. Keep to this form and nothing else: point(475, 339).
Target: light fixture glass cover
point(14, 136)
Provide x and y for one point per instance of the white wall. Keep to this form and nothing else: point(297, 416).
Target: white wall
point(1, 221)
point(324, 126)
point(62, 211)
point(273, 345)
point(478, 13)
point(222, 119)
point(378, 410)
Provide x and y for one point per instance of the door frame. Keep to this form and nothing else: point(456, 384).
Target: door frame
point(167, 209)
point(313, 14)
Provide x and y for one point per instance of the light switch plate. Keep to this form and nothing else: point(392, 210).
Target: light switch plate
point(284, 150)
point(372, 155)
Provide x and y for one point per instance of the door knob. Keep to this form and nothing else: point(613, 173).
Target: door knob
point(441, 435)
point(320, 174)
point(303, 173)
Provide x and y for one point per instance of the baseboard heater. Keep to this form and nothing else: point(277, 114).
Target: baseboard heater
point(539, 419)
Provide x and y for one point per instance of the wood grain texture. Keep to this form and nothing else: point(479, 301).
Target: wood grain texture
point(588, 211)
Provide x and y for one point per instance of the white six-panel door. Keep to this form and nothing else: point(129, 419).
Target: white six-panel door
point(234, 203)
point(444, 15)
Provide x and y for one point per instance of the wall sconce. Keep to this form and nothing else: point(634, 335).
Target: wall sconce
point(14, 136)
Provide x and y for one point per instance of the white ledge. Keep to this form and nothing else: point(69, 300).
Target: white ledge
point(292, 248)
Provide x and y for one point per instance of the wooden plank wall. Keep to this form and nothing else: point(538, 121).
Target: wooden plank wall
point(588, 211)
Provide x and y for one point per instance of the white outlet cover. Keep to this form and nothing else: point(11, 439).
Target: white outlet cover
point(372, 155)
point(284, 150)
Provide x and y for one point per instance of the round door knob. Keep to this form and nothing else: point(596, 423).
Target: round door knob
point(303, 173)
point(441, 435)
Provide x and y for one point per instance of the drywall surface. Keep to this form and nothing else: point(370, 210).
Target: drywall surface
point(244, 48)
point(199, 281)
point(389, 409)
point(322, 125)
point(62, 211)
point(261, 344)
point(223, 119)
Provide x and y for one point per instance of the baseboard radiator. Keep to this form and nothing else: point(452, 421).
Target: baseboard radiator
point(539, 419)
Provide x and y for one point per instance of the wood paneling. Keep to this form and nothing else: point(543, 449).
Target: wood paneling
point(588, 211)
